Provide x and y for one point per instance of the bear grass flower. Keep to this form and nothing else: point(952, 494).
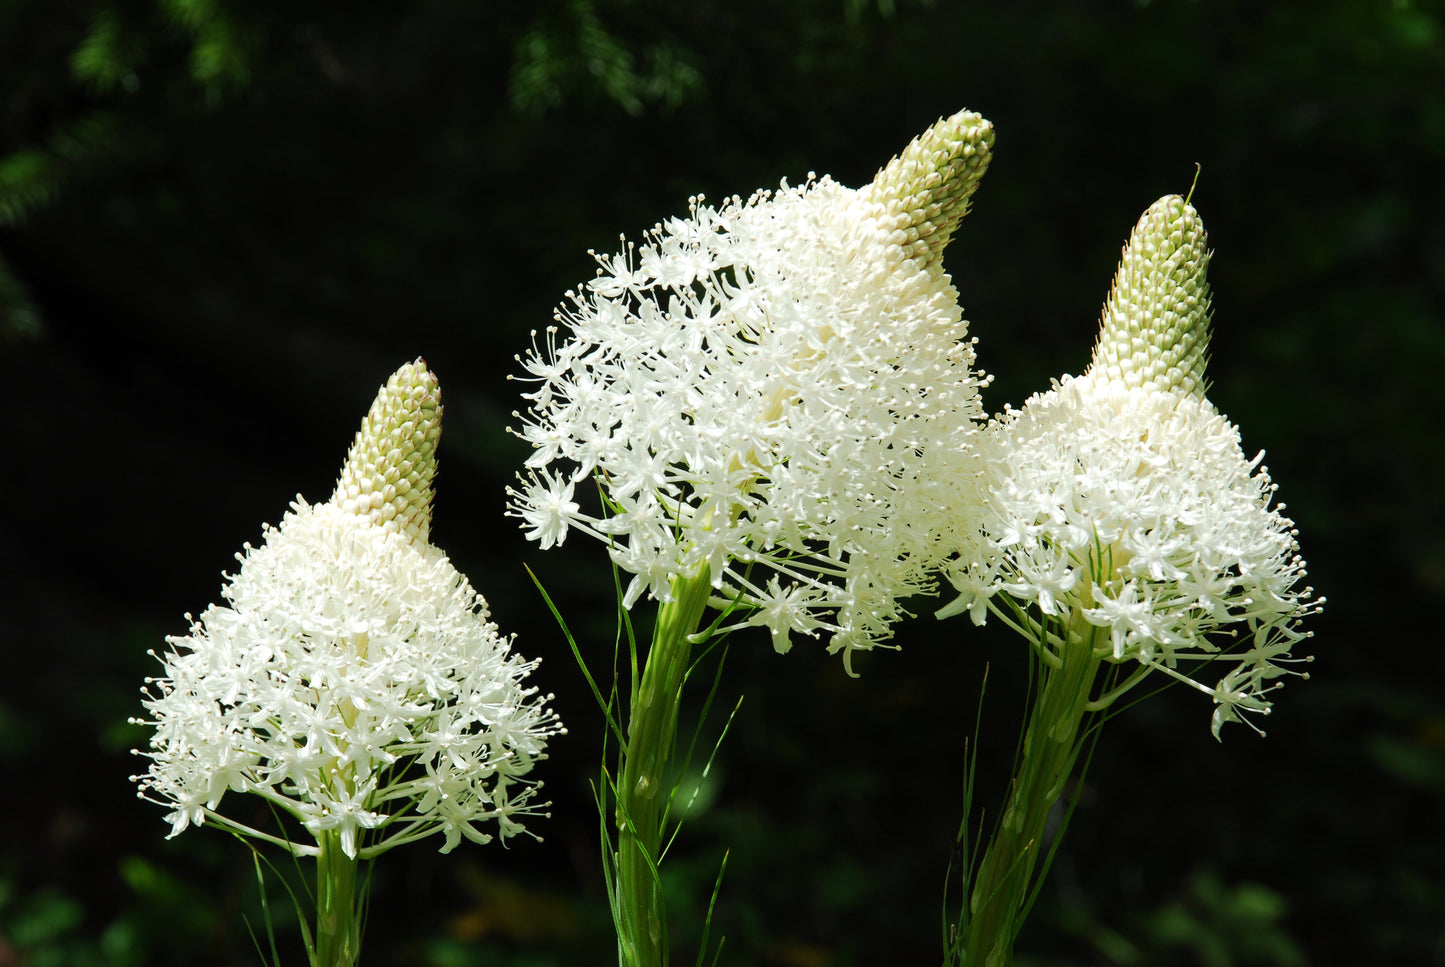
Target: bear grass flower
point(351, 678)
point(756, 388)
point(1125, 496)
point(1121, 525)
point(766, 396)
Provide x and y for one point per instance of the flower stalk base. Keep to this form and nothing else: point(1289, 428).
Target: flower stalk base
point(338, 925)
point(642, 798)
point(1051, 746)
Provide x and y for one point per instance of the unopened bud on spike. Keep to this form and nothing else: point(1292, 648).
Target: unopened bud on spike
point(920, 196)
point(1155, 329)
point(388, 472)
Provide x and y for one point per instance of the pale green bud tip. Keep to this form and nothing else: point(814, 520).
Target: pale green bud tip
point(388, 473)
point(1155, 329)
point(920, 196)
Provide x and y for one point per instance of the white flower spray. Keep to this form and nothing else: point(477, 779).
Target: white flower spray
point(758, 392)
point(352, 679)
point(754, 389)
point(1122, 525)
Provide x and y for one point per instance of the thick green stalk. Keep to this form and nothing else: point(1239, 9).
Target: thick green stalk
point(1051, 746)
point(641, 796)
point(338, 928)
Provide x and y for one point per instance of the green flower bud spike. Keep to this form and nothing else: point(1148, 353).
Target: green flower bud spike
point(389, 469)
point(1155, 330)
point(920, 196)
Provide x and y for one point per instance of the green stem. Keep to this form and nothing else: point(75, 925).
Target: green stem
point(338, 928)
point(641, 798)
point(1051, 746)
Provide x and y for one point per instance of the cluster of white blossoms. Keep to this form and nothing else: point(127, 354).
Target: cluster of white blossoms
point(352, 677)
point(756, 390)
point(1124, 498)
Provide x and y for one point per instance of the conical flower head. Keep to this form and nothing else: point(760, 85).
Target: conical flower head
point(920, 196)
point(351, 676)
point(388, 473)
point(758, 388)
point(1122, 499)
point(1155, 330)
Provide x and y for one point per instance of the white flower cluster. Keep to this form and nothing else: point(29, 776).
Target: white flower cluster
point(756, 390)
point(352, 677)
point(1124, 497)
point(1138, 508)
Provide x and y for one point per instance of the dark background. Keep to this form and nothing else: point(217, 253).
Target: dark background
point(224, 223)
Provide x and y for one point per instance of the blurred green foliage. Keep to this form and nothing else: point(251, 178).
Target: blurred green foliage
point(222, 223)
point(1208, 922)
